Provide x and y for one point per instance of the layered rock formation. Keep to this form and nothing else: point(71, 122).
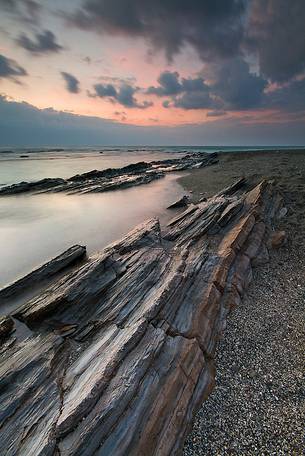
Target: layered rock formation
point(112, 178)
point(122, 347)
point(46, 271)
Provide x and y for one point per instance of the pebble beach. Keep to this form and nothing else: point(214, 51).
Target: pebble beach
point(258, 404)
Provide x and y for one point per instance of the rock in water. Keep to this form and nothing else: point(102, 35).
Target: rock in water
point(46, 271)
point(112, 178)
point(182, 202)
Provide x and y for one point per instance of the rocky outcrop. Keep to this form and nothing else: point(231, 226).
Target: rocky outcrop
point(182, 202)
point(112, 178)
point(6, 327)
point(24, 187)
point(122, 351)
point(46, 271)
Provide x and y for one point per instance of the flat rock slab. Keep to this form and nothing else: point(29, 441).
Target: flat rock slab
point(122, 350)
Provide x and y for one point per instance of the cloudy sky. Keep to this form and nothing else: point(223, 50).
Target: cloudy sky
point(152, 72)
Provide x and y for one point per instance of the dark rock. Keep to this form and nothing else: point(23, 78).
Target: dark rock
point(47, 270)
point(182, 202)
point(278, 239)
point(24, 187)
point(111, 178)
point(6, 327)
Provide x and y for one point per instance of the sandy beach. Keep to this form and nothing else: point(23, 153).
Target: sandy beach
point(257, 406)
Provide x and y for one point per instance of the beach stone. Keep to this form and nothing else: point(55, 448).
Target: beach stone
point(278, 239)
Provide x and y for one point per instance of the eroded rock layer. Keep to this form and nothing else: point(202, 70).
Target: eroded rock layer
point(121, 354)
point(113, 178)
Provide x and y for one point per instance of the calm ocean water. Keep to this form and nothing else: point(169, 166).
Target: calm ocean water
point(34, 229)
point(31, 164)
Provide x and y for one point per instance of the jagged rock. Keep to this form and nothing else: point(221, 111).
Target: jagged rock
point(182, 202)
point(112, 178)
point(47, 270)
point(121, 355)
point(24, 187)
point(6, 327)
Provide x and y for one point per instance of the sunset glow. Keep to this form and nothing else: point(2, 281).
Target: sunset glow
point(161, 69)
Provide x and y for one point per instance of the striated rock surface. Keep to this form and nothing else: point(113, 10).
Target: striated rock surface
point(121, 354)
point(112, 178)
point(6, 326)
point(46, 271)
point(182, 202)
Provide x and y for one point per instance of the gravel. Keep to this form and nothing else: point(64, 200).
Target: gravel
point(258, 405)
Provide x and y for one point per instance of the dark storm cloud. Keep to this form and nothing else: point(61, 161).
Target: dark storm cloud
point(185, 93)
point(232, 86)
point(168, 85)
point(213, 27)
point(290, 97)
point(107, 90)
point(235, 85)
point(123, 95)
point(195, 100)
point(44, 43)
point(72, 83)
point(23, 10)
point(272, 30)
point(276, 33)
point(10, 69)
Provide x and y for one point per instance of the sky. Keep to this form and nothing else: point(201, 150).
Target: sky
point(197, 72)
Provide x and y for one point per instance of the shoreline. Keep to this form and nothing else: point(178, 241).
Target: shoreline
point(208, 250)
point(259, 361)
point(254, 165)
point(128, 337)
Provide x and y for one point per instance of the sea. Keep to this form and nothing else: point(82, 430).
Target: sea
point(35, 228)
